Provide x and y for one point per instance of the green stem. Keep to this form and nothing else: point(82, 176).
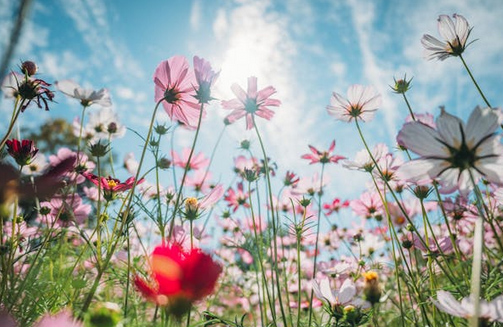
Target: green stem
point(274, 227)
point(408, 106)
point(474, 82)
point(187, 166)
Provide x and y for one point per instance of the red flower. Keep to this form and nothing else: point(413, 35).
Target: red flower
point(112, 186)
point(23, 152)
point(323, 157)
point(179, 278)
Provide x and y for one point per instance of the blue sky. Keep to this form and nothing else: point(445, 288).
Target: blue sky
point(306, 49)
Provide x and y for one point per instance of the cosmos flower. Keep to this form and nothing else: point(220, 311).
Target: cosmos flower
point(112, 186)
point(66, 210)
point(322, 156)
point(179, 278)
point(361, 103)
point(198, 161)
point(102, 124)
point(63, 318)
point(28, 89)
point(87, 97)
point(174, 86)
point(205, 77)
point(454, 151)
point(492, 311)
point(335, 206)
point(23, 152)
point(455, 34)
point(237, 198)
point(342, 297)
point(250, 103)
point(194, 207)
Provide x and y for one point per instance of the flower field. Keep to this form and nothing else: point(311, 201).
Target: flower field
point(170, 244)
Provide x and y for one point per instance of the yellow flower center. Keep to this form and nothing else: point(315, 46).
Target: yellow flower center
point(370, 276)
point(112, 183)
point(191, 204)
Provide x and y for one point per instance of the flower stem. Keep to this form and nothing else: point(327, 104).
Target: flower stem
point(474, 82)
point(187, 166)
point(408, 106)
point(273, 219)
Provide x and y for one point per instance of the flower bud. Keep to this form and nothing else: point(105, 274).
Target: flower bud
point(371, 289)
point(29, 68)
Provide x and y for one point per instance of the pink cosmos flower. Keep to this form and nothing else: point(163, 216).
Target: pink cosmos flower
point(237, 198)
point(174, 86)
point(205, 77)
point(361, 103)
point(369, 205)
point(62, 319)
point(198, 161)
point(335, 206)
point(363, 161)
point(66, 210)
point(322, 156)
point(199, 180)
point(250, 103)
point(83, 166)
point(455, 35)
point(454, 151)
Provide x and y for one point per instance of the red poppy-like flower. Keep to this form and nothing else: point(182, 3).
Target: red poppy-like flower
point(112, 186)
point(323, 156)
point(23, 152)
point(179, 278)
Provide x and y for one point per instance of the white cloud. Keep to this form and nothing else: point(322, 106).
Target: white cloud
point(195, 15)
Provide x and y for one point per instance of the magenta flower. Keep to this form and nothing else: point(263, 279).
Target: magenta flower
point(23, 152)
point(322, 156)
point(250, 103)
point(205, 77)
point(361, 103)
point(174, 86)
point(112, 186)
point(237, 198)
point(28, 90)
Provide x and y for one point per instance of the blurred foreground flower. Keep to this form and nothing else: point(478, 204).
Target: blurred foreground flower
point(361, 103)
point(455, 35)
point(87, 97)
point(454, 151)
point(250, 103)
point(491, 311)
point(174, 86)
point(62, 319)
point(179, 278)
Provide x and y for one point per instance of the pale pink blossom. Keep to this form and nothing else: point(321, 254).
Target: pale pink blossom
point(205, 77)
point(455, 34)
point(198, 161)
point(250, 103)
point(446, 302)
point(454, 151)
point(323, 156)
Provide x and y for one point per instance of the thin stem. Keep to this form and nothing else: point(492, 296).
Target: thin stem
point(187, 167)
point(273, 219)
point(408, 106)
point(474, 82)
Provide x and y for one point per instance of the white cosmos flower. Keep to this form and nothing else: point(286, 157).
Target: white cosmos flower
point(493, 311)
point(102, 124)
point(454, 150)
point(344, 296)
point(361, 103)
point(87, 97)
point(455, 33)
